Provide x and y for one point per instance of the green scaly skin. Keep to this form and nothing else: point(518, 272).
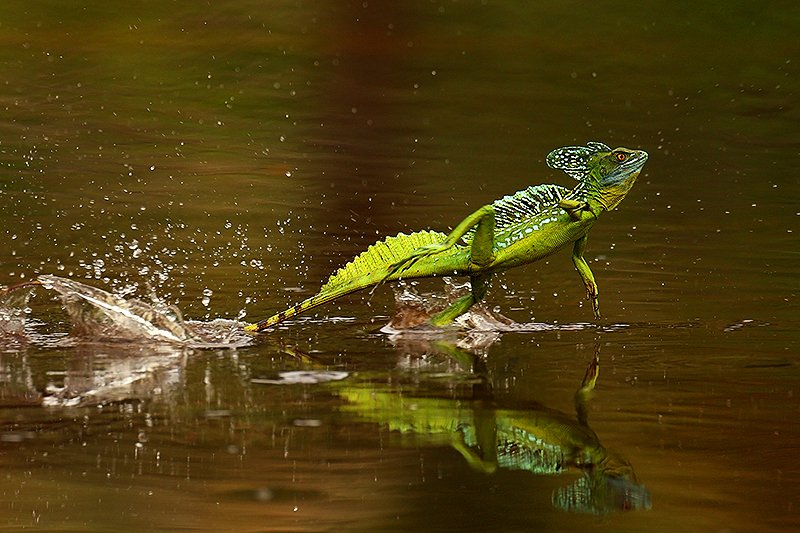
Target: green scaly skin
point(515, 230)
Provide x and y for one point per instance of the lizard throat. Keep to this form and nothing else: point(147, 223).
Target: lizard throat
point(611, 196)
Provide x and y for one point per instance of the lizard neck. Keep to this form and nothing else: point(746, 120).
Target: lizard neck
point(589, 193)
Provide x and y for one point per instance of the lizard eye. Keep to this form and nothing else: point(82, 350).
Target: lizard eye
point(621, 156)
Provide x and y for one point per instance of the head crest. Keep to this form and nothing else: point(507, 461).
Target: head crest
point(574, 159)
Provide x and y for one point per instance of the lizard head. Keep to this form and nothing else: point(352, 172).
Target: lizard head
point(611, 173)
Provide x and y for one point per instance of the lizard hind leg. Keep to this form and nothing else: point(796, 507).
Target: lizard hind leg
point(481, 255)
point(480, 285)
point(481, 250)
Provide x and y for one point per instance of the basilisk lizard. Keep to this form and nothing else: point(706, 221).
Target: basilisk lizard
point(514, 230)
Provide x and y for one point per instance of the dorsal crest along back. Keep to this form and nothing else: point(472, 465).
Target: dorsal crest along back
point(522, 205)
point(574, 159)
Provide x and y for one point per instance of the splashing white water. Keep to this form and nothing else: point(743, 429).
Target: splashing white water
point(99, 316)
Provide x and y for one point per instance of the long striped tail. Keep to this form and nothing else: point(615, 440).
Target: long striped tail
point(369, 268)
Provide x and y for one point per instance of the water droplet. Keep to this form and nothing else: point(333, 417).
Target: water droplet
point(207, 293)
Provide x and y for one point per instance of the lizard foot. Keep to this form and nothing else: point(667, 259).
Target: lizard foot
point(593, 296)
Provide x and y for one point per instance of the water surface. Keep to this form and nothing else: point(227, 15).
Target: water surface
point(226, 157)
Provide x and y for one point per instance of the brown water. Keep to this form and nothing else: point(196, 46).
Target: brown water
point(228, 156)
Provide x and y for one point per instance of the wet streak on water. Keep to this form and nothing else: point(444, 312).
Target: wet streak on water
point(227, 157)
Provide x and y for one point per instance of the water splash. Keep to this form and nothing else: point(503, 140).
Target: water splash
point(99, 316)
point(14, 310)
point(413, 310)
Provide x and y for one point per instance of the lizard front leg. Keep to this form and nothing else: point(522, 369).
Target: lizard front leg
point(586, 274)
point(572, 207)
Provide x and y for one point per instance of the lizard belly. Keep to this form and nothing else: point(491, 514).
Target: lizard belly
point(531, 242)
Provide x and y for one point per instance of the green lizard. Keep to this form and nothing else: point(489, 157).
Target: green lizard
point(514, 230)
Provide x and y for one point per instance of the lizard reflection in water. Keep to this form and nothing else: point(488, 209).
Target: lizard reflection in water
point(541, 440)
